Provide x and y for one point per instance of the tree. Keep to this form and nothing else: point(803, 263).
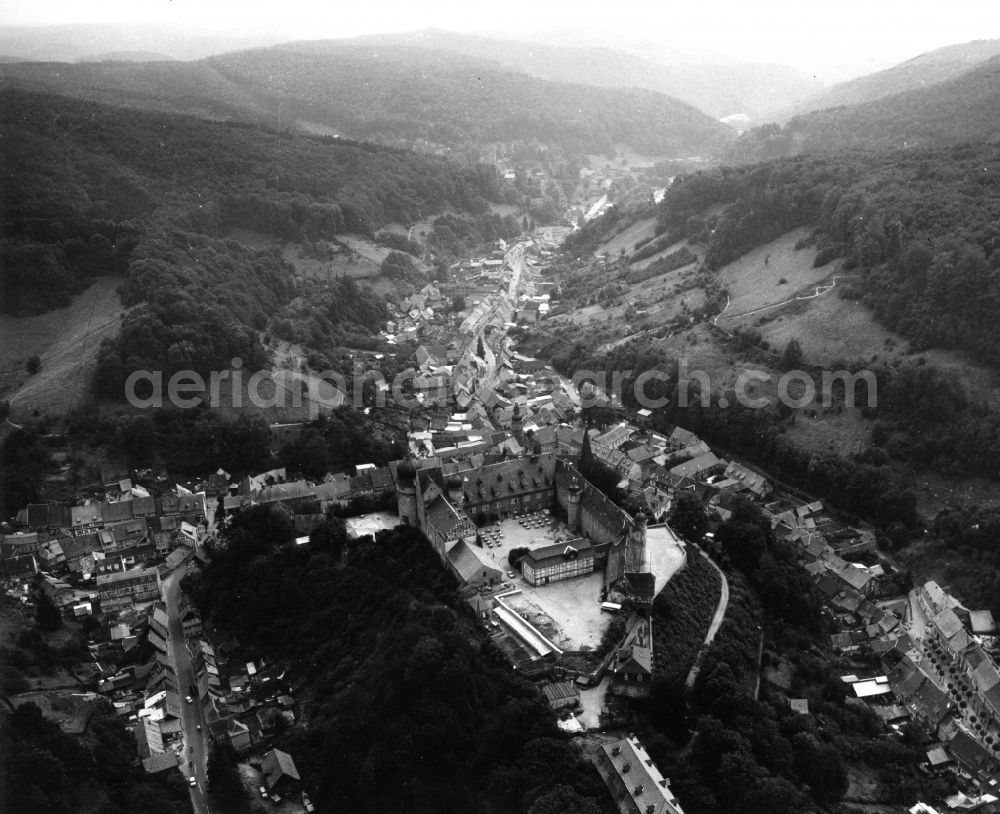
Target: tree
point(34, 364)
point(687, 517)
point(47, 615)
point(458, 303)
point(330, 536)
point(792, 358)
point(819, 766)
point(563, 800)
point(514, 557)
point(224, 783)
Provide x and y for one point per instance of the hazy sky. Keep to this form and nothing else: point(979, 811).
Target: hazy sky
point(832, 39)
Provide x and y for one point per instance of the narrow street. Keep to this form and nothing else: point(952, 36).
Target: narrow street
point(194, 759)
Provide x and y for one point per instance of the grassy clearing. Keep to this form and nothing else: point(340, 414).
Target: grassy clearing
point(67, 340)
point(753, 284)
point(628, 237)
point(829, 329)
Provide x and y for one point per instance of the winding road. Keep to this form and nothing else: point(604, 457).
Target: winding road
point(713, 628)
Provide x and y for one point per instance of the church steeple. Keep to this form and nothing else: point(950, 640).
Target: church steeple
point(586, 465)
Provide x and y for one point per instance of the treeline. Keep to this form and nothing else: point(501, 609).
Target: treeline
point(453, 235)
point(50, 772)
point(196, 303)
point(681, 615)
point(338, 441)
point(920, 229)
point(404, 95)
point(399, 683)
point(39, 274)
point(23, 462)
point(184, 441)
point(662, 265)
point(325, 314)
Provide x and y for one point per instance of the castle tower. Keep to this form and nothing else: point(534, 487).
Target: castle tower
point(406, 492)
point(517, 423)
point(573, 509)
point(637, 540)
point(456, 495)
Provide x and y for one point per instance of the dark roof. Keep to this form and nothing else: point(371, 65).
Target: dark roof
point(381, 478)
point(559, 690)
point(642, 584)
point(569, 549)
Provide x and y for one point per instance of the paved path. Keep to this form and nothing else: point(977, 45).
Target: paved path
point(713, 628)
point(819, 291)
point(193, 763)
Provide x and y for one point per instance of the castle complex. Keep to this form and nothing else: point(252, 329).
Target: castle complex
point(448, 502)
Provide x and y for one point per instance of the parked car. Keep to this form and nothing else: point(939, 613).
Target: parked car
point(192, 781)
point(510, 574)
point(188, 698)
point(263, 791)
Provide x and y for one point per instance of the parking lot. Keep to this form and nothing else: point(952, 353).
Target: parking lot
point(569, 611)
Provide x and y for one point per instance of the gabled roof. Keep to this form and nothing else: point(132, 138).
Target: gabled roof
point(647, 788)
point(560, 690)
point(570, 549)
point(276, 765)
point(697, 466)
point(636, 659)
point(466, 564)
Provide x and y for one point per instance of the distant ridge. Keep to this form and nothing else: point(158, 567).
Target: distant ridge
point(922, 71)
point(965, 108)
point(128, 56)
point(719, 90)
point(413, 98)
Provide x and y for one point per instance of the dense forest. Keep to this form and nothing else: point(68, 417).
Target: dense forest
point(395, 94)
point(920, 229)
point(404, 694)
point(93, 190)
point(402, 94)
point(50, 772)
point(733, 744)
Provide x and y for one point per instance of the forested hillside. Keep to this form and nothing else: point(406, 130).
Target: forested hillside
point(921, 229)
point(93, 189)
point(935, 66)
point(719, 90)
point(407, 94)
point(395, 95)
point(404, 696)
point(965, 108)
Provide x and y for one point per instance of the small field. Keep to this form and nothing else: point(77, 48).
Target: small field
point(67, 340)
point(627, 238)
point(754, 280)
point(641, 264)
point(829, 329)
